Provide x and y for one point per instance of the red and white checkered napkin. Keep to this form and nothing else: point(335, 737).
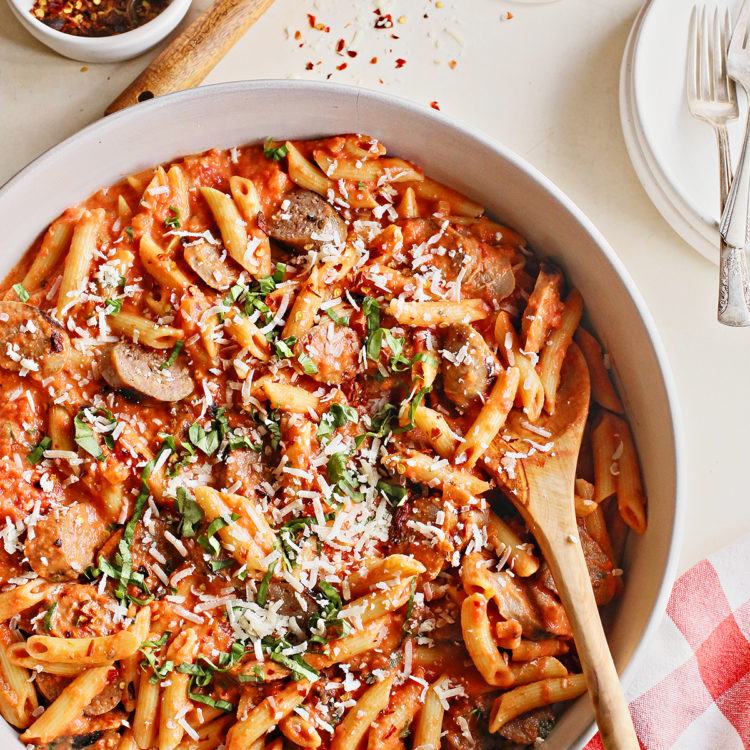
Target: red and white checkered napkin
point(692, 688)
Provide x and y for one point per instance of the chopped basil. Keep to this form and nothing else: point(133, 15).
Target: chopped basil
point(23, 295)
point(217, 565)
point(85, 439)
point(339, 320)
point(173, 356)
point(191, 513)
point(396, 495)
point(173, 222)
point(416, 400)
point(47, 621)
point(339, 475)
point(262, 594)
point(275, 153)
point(284, 346)
point(208, 541)
point(36, 454)
point(410, 605)
point(337, 416)
point(112, 306)
point(309, 367)
point(129, 232)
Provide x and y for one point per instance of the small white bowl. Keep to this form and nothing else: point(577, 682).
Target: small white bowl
point(102, 49)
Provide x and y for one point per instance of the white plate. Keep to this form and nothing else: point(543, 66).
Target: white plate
point(674, 154)
point(512, 190)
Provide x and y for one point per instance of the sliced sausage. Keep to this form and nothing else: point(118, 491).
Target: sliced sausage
point(334, 350)
point(65, 541)
point(141, 372)
point(30, 340)
point(306, 222)
point(51, 685)
point(81, 612)
point(206, 260)
point(468, 365)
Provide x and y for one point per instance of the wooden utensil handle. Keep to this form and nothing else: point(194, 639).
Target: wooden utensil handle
point(571, 575)
point(194, 53)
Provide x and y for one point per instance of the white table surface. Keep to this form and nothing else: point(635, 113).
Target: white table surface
point(545, 83)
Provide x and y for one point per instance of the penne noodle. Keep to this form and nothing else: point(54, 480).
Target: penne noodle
point(23, 597)
point(83, 245)
point(602, 390)
point(426, 314)
point(66, 708)
point(359, 718)
point(534, 695)
point(144, 331)
point(419, 467)
point(105, 648)
point(477, 635)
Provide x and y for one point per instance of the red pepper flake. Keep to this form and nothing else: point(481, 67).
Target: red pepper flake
point(509, 15)
point(373, 61)
point(351, 53)
point(452, 64)
point(339, 46)
point(309, 66)
point(400, 62)
point(383, 20)
point(393, 36)
point(342, 66)
point(435, 105)
point(298, 35)
point(315, 25)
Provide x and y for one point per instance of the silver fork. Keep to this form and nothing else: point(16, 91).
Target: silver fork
point(712, 97)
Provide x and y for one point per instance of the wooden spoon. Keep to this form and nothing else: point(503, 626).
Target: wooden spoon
point(194, 53)
point(541, 486)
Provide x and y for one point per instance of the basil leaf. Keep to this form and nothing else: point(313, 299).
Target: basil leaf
point(299, 668)
point(209, 542)
point(23, 295)
point(337, 416)
point(47, 621)
point(36, 454)
point(339, 320)
point(330, 593)
point(173, 356)
point(173, 222)
point(84, 438)
point(275, 153)
point(308, 366)
point(284, 346)
point(112, 306)
point(341, 477)
point(396, 495)
point(192, 513)
point(262, 595)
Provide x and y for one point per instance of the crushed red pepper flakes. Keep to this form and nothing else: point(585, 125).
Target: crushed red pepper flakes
point(400, 62)
point(383, 20)
point(435, 105)
point(298, 35)
point(509, 15)
point(351, 53)
point(340, 46)
point(342, 66)
point(374, 61)
point(452, 64)
point(315, 25)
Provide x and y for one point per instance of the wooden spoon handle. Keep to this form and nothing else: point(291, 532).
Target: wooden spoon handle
point(195, 52)
point(571, 575)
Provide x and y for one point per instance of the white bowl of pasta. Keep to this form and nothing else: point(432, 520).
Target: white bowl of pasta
point(266, 396)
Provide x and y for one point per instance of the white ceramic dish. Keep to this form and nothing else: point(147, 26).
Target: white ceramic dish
point(102, 49)
point(673, 153)
point(231, 114)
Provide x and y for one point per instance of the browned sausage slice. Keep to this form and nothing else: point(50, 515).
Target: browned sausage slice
point(468, 365)
point(65, 542)
point(307, 222)
point(30, 340)
point(205, 259)
point(133, 368)
point(334, 351)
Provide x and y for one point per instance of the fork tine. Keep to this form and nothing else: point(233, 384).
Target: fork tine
point(739, 35)
point(725, 35)
point(702, 55)
point(692, 56)
point(710, 52)
point(717, 57)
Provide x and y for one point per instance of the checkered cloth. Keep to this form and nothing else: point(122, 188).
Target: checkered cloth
point(692, 691)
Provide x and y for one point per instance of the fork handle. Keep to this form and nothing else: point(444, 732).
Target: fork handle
point(734, 280)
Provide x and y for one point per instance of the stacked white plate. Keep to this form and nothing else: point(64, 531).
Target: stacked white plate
point(674, 154)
